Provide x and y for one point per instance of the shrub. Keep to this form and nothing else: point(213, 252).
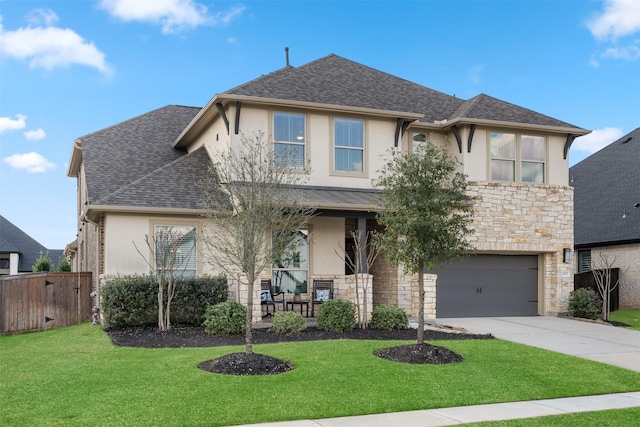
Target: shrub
point(133, 300)
point(389, 318)
point(585, 303)
point(43, 263)
point(130, 301)
point(63, 264)
point(226, 318)
point(287, 322)
point(337, 316)
point(192, 297)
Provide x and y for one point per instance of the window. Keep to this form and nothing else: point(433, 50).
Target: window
point(349, 145)
point(289, 139)
point(290, 274)
point(418, 140)
point(4, 264)
point(517, 157)
point(584, 261)
point(176, 249)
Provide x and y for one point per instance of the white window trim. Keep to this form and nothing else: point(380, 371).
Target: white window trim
point(177, 223)
point(365, 148)
point(518, 159)
point(304, 144)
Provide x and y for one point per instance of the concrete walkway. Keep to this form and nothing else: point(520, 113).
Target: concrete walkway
point(601, 343)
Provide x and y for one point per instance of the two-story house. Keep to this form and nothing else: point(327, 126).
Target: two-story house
point(342, 119)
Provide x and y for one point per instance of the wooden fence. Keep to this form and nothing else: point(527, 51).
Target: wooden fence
point(47, 300)
point(586, 280)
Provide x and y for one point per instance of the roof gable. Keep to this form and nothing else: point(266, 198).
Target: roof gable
point(14, 240)
point(606, 187)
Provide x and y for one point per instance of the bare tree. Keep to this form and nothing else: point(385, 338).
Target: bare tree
point(603, 278)
point(362, 242)
point(256, 208)
point(171, 248)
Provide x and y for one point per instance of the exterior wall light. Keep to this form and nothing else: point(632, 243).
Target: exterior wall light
point(566, 255)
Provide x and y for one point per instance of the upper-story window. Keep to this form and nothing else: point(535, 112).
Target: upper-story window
point(516, 157)
point(418, 140)
point(348, 145)
point(289, 139)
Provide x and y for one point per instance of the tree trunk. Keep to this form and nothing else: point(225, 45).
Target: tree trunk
point(160, 305)
point(248, 338)
point(420, 339)
point(167, 312)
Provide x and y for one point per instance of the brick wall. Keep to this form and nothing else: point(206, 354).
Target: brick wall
point(627, 259)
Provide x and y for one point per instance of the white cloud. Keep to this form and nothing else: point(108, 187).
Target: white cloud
point(42, 17)
point(49, 47)
point(34, 135)
point(7, 123)
point(173, 15)
point(31, 162)
point(628, 53)
point(597, 140)
point(620, 18)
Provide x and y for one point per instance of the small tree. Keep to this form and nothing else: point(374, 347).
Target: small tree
point(602, 275)
point(167, 262)
point(255, 212)
point(426, 213)
point(43, 263)
point(362, 242)
point(63, 264)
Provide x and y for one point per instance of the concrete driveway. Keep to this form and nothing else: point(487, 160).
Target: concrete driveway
point(601, 343)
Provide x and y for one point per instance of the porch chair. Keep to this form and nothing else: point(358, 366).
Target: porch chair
point(322, 291)
point(267, 297)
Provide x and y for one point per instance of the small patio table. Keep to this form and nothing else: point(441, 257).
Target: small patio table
point(292, 304)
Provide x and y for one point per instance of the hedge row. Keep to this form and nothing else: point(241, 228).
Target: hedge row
point(133, 300)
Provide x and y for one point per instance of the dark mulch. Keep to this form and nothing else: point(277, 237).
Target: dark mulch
point(259, 364)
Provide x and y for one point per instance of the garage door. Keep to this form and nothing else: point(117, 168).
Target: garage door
point(488, 285)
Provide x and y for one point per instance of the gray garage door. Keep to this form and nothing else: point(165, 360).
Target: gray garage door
point(488, 285)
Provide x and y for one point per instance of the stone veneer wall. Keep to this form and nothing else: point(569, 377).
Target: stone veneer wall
point(509, 219)
point(516, 218)
point(627, 259)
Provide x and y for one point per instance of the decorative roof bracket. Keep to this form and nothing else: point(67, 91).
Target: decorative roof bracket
point(470, 139)
point(567, 144)
point(238, 108)
point(456, 133)
point(401, 127)
point(223, 114)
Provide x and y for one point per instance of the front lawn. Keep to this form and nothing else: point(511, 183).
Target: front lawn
point(75, 376)
point(630, 317)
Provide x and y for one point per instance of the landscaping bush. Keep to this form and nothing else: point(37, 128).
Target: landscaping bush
point(389, 318)
point(287, 322)
point(193, 296)
point(337, 316)
point(133, 300)
point(130, 301)
point(585, 303)
point(226, 318)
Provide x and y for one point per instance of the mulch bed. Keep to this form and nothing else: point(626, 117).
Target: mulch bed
point(260, 364)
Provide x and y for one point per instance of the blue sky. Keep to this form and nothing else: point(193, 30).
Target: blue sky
point(69, 68)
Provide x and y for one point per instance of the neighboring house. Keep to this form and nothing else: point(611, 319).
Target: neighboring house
point(607, 213)
point(342, 119)
point(19, 252)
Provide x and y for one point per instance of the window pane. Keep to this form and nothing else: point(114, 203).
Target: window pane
point(290, 281)
point(503, 145)
point(289, 155)
point(419, 141)
point(503, 170)
point(289, 127)
point(584, 261)
point(533, 148)
point(183, 240)
point(349, 133)
point(291, 271)
point(533, 172)
point(348, 160)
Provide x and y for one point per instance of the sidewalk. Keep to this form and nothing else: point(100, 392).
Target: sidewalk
point(474, 414)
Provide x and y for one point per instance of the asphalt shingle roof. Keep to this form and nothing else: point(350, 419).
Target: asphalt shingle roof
point(14, 240)
point(117, 157)
point(606, 185)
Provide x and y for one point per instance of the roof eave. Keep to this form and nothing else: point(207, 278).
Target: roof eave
point(76, 159)
point(504, 124)
point(94, 212)
point(209, 112)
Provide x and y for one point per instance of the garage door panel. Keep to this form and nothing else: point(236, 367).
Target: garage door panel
point(488, 285)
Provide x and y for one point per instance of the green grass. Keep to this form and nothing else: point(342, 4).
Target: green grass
point(612, 418)
point(75, 376)
point(630, 317)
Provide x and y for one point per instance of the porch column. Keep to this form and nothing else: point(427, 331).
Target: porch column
point(362, 237)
